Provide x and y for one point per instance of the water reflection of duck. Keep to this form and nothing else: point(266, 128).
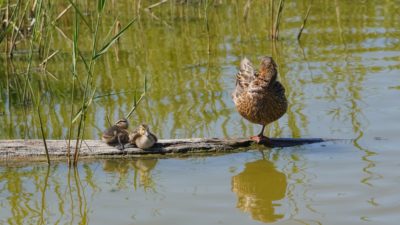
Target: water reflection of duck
point(116, 166)
point(142, 137)
point(144, 167)
point(257, 187)
point(258, 96)
point(141, 167)
point(117, 134)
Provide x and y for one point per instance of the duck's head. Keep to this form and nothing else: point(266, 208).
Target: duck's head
point(122, 123)
point(268, 68)
point(143, 129)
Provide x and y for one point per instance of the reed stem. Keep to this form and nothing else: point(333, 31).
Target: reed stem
point(304, 22)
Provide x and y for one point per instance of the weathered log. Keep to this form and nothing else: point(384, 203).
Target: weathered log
point(34, 149)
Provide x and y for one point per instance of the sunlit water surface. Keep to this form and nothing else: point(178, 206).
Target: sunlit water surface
point(342, 81)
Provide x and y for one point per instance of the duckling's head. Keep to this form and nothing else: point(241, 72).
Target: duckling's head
point(268, 68)
point(122, 123)
point(143, 129)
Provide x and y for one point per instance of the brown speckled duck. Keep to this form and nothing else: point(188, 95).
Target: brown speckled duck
point(258, 96)
point(117, 134)
point(142, 137)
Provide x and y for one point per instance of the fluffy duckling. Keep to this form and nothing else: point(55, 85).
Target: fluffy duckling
point(258, 96)
point(142, 137)
point(117, 134)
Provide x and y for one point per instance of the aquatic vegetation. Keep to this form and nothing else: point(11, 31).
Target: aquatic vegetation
point(35, 20)
point(186, 53)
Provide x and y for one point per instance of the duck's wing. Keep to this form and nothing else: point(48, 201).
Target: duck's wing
point(244, 77)
point(278, 89)
point(154, 137)
point(123, 135)
point(133, 136)
point(246, 73)
point(109, 136)
point(109, 133)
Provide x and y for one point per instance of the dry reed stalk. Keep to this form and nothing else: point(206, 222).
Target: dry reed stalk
point(275, 30)
point(155, 5)
point(246, 9)
point(304, 22)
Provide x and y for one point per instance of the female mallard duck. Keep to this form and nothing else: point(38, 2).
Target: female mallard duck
point(258, 96)
point(142, 137)
point(117, 134)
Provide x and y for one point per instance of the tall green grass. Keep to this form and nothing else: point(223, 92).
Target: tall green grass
point(89, 88)
point(27, 24)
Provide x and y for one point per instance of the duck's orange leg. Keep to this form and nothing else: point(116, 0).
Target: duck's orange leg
point(261, 139)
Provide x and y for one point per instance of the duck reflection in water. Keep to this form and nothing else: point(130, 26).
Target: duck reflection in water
point(142, 171)
point(144, 168)
point(257, 187)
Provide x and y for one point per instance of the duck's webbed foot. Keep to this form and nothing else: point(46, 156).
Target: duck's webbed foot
point(120, 147)
point(261, 139)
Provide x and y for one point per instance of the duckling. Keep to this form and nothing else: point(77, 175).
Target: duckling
point(142, 137)
point(117, 134)
point(258, 96)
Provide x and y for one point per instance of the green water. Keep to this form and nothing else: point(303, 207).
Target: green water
point(342, 81)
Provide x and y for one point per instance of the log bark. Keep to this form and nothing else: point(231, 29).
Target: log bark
point(34, 149)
